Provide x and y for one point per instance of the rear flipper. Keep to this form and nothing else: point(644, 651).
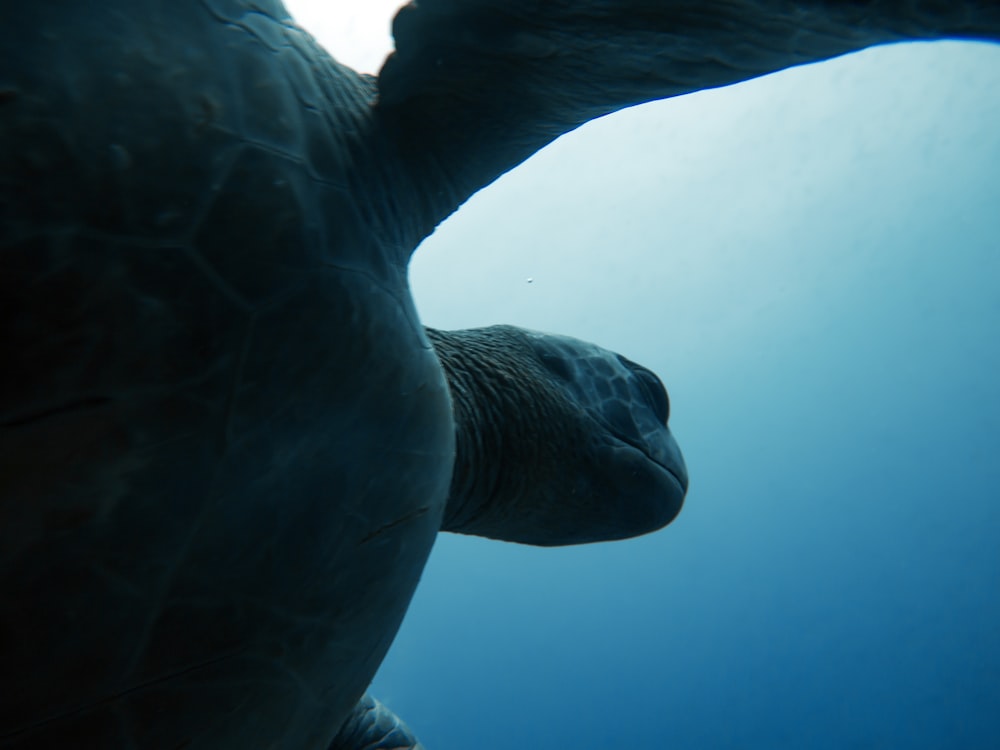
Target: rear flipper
point(372, 726)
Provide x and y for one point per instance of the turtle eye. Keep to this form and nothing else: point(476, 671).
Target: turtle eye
point(652, 389)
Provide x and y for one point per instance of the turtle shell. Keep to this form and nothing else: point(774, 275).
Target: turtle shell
point(225, 443)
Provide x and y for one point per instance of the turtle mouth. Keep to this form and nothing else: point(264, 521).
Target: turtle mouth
point(644, 427)
point(668, 457)
point(681, 480)
point(648, 481)
point(676, 469)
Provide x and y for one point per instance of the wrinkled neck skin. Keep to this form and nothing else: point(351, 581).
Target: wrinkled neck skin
point(533, 464)
point(501, 414)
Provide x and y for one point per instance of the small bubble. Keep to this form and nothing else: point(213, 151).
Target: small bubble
point(530, 280)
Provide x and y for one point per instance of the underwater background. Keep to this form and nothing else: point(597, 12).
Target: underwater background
point(811, 262)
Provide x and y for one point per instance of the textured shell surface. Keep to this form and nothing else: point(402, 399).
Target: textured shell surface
point(225, 443)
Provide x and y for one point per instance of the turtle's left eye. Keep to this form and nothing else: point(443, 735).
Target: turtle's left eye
point(652, 388)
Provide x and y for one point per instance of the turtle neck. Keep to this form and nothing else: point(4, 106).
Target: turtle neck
point(502, 414)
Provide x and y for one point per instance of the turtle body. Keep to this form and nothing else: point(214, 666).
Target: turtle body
point(226, 441)
point(211, 347)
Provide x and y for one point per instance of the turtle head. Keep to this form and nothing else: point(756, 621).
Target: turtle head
point(558, 441)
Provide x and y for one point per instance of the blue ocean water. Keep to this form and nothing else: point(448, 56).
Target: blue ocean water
point(811, 261)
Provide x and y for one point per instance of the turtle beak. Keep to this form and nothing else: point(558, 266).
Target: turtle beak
point(654, 440)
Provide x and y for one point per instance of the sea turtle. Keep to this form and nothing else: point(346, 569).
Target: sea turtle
point(226, 442)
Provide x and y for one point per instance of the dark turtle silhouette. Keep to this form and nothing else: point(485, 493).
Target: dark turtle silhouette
point(227, 443)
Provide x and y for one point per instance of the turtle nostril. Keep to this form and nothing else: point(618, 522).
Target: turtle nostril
point(652, 388)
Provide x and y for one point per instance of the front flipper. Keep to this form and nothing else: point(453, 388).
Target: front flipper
point(477, 86)
point(372, 726)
